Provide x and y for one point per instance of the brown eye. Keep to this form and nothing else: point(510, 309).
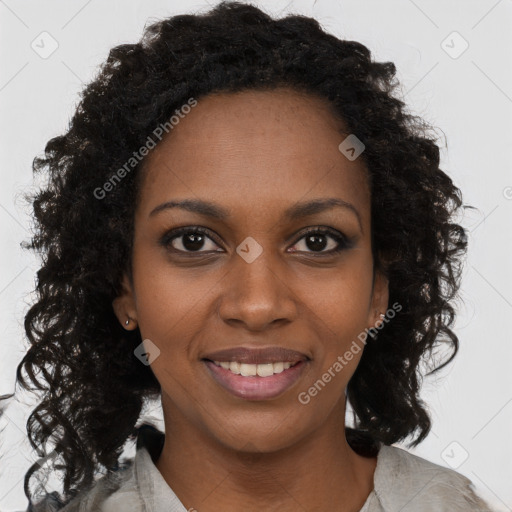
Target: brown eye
point(317, 240)
point(189, 240)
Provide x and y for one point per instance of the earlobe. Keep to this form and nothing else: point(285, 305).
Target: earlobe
point(124, 306)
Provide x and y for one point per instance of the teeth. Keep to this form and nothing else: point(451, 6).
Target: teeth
point(249, 370)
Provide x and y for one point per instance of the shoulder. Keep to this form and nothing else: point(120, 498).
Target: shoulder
point(117, 490)
point(407, 482)
point(112, 492)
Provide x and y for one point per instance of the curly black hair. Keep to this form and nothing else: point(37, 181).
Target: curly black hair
point(93, 388)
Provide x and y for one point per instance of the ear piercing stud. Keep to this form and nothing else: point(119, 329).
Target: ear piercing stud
point(127, 321)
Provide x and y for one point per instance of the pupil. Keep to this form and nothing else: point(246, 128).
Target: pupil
point(193, 241)
point(315, 245)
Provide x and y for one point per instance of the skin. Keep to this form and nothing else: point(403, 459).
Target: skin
point(255, 153)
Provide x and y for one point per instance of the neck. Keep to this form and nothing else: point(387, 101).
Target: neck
point(320, 471)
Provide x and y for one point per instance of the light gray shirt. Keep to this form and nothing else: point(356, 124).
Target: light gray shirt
point(403, 482)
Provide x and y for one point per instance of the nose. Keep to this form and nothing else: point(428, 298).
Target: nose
point(258, 294)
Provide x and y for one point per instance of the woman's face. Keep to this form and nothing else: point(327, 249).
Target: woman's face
point(253, 278)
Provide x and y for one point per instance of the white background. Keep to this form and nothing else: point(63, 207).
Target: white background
point(469, 98)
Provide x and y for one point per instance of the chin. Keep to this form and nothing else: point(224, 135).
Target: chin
point(255, 439)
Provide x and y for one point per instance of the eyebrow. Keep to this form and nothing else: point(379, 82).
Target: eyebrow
point(297, 211)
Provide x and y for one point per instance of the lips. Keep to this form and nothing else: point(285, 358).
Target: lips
point(256, 387)
point(257, 355)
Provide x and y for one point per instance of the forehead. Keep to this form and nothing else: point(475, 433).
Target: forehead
point(261, 149)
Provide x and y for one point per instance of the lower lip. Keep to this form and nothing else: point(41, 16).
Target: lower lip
point(256, 388)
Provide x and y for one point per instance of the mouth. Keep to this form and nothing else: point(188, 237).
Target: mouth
point(261, 381)
point(253, 370)
point(256, 356)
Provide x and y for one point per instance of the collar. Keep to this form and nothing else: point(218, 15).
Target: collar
point(157, 495)
point(402, 481)
point(154, 490)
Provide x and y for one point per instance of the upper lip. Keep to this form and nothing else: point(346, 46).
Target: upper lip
point(257, 355)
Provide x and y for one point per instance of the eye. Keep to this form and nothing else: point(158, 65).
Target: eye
point(316, 240)
point(188, 240)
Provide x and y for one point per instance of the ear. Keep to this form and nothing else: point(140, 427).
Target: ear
point(380, 298)
point(124, 305)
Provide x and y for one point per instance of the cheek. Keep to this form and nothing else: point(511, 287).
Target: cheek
point(170, 312)
point(341, 298)
point(169, 298)
point(339, 307)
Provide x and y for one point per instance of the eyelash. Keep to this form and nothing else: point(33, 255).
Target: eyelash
point(342, 241)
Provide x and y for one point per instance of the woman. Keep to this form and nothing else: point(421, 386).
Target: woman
point(244, 223)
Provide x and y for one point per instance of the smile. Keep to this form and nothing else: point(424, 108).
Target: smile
point(255, 381)
point(251, 370)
